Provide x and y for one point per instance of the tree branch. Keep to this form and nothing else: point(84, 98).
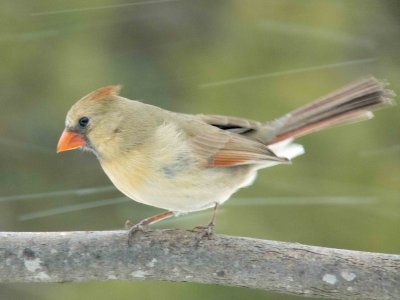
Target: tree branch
point(178, 255)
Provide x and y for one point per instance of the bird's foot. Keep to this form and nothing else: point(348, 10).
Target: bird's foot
point(144, 224)
point(205, 231)
point(134, 228)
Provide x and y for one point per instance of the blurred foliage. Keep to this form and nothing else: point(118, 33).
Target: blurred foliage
point(54, 52)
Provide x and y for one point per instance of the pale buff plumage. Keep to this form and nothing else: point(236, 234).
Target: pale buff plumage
point(187, 163)
point(158, 165)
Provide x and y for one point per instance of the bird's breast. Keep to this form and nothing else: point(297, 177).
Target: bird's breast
point(128, 174)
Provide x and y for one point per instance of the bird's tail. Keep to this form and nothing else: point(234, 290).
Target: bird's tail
point(347, 105)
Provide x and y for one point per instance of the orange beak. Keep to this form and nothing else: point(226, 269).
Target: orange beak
point(69, 140)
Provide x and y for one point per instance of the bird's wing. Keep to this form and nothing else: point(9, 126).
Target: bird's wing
point(223, 148)
point(253, 130)
point(232, 124)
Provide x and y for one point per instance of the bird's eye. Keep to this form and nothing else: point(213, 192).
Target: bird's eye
point(83, 122)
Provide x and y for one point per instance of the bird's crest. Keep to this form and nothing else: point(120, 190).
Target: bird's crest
point(103, 92)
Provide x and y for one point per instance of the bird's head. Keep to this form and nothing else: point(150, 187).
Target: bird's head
point(93, 122)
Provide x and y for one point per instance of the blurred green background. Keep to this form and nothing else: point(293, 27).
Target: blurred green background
point(256, 59)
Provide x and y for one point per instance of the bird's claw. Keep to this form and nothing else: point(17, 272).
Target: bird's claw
point(134, 228)
point(205, 231)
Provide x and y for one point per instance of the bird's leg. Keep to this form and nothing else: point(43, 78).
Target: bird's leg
point(208, 230)
point(144, 224)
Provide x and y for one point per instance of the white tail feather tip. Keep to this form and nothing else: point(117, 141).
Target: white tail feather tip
point(287, 149)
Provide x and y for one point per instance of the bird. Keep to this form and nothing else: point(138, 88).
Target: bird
point(191, 162)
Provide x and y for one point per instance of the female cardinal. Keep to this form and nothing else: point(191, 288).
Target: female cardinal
point(185, 163)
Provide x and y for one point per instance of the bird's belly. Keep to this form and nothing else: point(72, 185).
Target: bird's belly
point(196, 191)
point(183, 192)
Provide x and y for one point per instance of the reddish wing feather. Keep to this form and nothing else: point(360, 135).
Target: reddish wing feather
point(230, 158)
point(225, 149)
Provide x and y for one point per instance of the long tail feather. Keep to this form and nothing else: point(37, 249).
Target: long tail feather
point(350, 104)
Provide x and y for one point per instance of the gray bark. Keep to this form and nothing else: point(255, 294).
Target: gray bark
point(177, 255)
